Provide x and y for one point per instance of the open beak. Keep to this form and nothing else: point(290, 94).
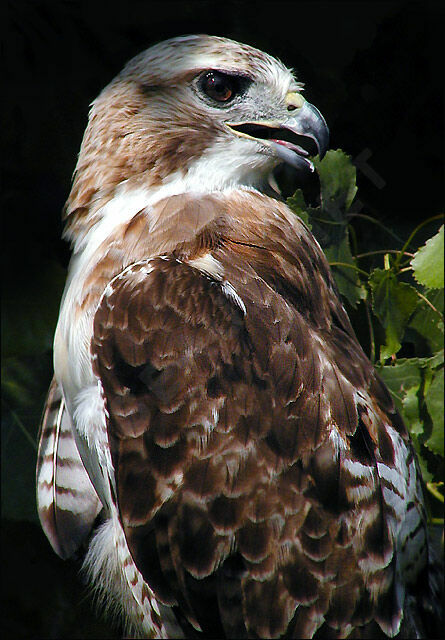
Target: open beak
point(294, 139)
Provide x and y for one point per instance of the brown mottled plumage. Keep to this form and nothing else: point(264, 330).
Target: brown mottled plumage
point(254, 477)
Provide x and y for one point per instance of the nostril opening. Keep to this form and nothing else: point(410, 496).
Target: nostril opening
point(291, 107)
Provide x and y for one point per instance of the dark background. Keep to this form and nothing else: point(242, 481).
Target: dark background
point(374, 69)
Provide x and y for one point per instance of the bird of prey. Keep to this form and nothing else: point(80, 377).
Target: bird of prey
point(215, 442)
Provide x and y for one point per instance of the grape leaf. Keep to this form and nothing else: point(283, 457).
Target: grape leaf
point(411, 411)
point(337, 179)
point(414, 383)
point(434, 403)
point(428, 261)
point(437, 359)
point(298, 205)
point(346, 278)
point(329, 222)
point(393, 303)
point(428, 322)
point(400, 378)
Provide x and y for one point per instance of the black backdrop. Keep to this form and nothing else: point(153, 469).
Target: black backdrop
point(375, 71)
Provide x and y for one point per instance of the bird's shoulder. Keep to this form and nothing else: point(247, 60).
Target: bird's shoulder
point(250, 435)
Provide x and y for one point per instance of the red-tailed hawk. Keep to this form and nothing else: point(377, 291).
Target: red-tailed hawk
point(214, 434)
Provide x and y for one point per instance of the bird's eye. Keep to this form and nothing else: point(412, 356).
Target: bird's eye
point(219, 86)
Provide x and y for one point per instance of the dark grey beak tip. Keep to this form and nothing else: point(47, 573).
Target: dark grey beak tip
point(320, 131)
point(310, 122)
point(322, 141)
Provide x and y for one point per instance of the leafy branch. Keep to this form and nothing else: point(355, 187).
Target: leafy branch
point(399, 291)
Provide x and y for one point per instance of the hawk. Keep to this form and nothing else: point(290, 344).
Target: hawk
point(215, 442)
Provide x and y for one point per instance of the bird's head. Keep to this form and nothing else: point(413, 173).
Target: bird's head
point(203, 112)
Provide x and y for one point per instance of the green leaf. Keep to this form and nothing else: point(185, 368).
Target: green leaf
point(404, 375)
point(437, 359)
point(407, 381)
point(337, 179)
point(411, 411)
point(414, 383)
point(428, 322)
point(298, 205)
point(428, 262)
point(346, 278)
point(434, 403)
point(426, 474)
point(393, 303)
point(400, 378)
point(329, 222)
point(297, 202)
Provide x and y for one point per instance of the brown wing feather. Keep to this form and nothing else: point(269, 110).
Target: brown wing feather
point(262, 473)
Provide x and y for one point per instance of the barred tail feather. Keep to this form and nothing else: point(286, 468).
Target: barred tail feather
point(118, 585)
point(66, 500)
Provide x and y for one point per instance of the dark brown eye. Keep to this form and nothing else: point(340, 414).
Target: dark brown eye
point(219, 86)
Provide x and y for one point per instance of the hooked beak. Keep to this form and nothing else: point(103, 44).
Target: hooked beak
point(293, 139)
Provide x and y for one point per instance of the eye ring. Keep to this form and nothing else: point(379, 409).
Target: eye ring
point(219, 87)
